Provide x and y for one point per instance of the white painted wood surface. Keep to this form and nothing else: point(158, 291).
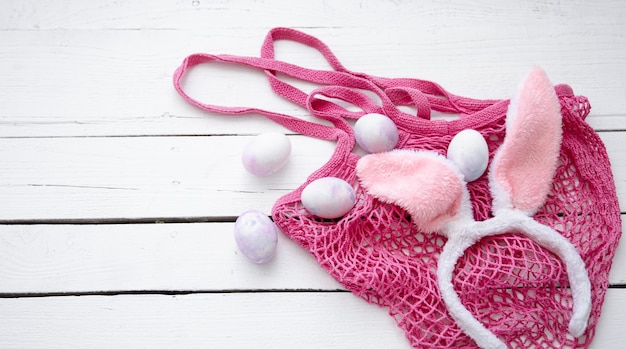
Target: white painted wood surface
point(96, 148)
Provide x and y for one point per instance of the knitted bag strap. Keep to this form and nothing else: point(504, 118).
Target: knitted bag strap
point(290, 122)
point(401, 91)
point(343, 84)
point(340, 84)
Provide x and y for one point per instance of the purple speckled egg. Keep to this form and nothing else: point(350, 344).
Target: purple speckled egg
point(376, 133)
point(328, 197)
point(266, 153)
point(256, 236)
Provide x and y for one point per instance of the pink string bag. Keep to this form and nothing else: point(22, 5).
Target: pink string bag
point(514, 287)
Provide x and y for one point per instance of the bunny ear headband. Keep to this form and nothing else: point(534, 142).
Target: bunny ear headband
point(433, 190)
point(410, 221)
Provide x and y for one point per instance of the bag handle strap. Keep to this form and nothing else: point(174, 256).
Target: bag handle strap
point(423, 94)
point(337, 84)
point(292, 123)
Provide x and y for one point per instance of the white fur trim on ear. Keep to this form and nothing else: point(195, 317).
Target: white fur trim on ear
point(511, 111)
point(500, 197)
point(523, 168)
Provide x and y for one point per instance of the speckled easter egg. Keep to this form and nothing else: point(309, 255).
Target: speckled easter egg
point(469, 152)
point(266, 153)
point(376, 133)
point(256, 236)
point(328, 197)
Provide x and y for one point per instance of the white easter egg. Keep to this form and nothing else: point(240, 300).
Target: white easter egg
point(266, 153)
point(328, 197)
point(469, 152)
point(256, 236)
point(376, 133)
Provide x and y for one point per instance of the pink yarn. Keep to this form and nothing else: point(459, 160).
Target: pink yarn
point(516, 288)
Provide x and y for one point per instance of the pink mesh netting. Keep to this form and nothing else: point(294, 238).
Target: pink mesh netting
point(513, 286)
point(516, 288)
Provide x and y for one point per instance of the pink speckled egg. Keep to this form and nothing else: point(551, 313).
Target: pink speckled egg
point(328, 197)
point(256, 236)
point(376, 133)
point(266, 153)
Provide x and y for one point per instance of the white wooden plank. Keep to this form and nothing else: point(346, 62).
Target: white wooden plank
point(259, 320)
point(614, 143)
point(152, 177)
point(610, 330)
point(118, 82)
point(128, 257)
point(157, 257)
point(103, 67)
point(269, 320)
point(161, 14)
point(617, 276)
point(138, 177)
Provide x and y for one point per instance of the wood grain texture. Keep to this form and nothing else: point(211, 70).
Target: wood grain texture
point(92, 132)
point(149, 257)
point(143, 177)
point(163, 177)
point(273, 320)
point(158, 257)
point(93, 61)
point(226, 15)
point(249, 320)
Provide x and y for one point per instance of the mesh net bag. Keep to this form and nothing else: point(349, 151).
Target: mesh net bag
point(516, 288)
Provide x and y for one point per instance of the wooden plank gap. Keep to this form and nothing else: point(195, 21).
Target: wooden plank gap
point(113, 221)
point(161, 292)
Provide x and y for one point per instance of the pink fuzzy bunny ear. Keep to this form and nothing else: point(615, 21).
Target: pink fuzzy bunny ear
point(423, 183)
point(523, 168)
